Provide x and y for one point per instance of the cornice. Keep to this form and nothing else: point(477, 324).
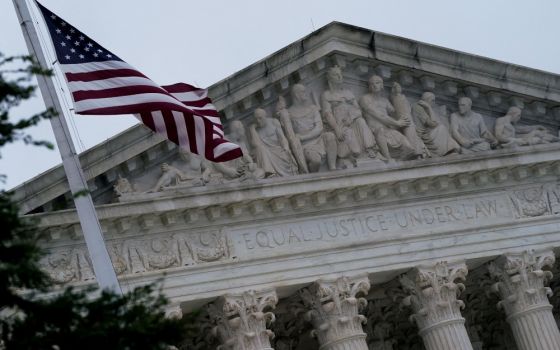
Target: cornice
point(229, 203)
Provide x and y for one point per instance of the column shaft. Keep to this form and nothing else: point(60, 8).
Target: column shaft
point(535, 329)
point(451, 335)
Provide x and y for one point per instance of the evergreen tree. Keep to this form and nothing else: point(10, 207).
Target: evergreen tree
point(67, 319)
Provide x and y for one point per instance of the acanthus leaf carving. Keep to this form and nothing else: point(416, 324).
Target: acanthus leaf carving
point(333, 307)
point(242, 320)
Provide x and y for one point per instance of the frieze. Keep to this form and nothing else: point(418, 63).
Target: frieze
point(371, 225)
point(398, 222)
point(336, 121)
point(536, 201)
point(132, 256)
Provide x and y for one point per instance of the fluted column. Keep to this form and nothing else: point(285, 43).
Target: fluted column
point(333, 309)
point(524, 298)
point(241, 320)
point(437, 311)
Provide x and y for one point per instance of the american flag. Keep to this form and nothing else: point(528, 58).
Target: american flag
point(102, 84)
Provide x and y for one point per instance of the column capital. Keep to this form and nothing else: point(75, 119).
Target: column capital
point(433, 292)
point(242, 319)
point(521, 280)
point(333, 308)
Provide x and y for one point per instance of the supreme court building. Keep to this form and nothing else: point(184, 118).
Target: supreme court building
point(393, 195)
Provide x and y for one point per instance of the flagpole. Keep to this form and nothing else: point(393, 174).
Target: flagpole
point(102, 266)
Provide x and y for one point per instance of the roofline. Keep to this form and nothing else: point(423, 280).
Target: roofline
point(250, 80)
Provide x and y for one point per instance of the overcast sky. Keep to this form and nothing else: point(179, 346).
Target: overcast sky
point(202, 42)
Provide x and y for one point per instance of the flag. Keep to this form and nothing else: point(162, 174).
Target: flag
point(101, 83)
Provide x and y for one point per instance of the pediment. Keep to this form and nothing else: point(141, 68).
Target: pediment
point(127, 167)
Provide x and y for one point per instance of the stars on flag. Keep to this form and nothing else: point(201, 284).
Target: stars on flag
point(75, 46)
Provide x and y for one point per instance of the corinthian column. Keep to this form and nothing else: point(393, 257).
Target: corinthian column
point(437, 311)
point(333, 309)
point(241, 320)
point(521, 286)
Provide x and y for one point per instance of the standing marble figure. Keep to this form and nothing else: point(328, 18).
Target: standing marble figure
point(305, 119)
point(272, 151)
point(342, 113)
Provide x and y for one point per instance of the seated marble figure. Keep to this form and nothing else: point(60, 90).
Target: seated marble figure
point(431, 128)
point(272, 150)
point(510, 134)
point(385, 125)
point(469, 129)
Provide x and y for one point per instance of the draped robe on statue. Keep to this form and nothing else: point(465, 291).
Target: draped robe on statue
point(270, 150)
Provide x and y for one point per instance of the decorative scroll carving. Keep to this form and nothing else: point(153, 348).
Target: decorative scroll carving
point(272, 151)
point(531, 202)
point(61, 267)
point(135, 256)
point(521, 286)
point(437, 311)
point(334, 311)
point(241, 320)
point(521, 280)
point(510, 134)
point(469, 130)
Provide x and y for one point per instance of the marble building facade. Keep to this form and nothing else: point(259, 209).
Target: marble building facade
point(393, 195)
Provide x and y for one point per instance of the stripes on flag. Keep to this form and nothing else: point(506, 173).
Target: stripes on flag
point(102, 84)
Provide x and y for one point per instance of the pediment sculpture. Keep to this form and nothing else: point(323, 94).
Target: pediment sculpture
point(300, 135)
